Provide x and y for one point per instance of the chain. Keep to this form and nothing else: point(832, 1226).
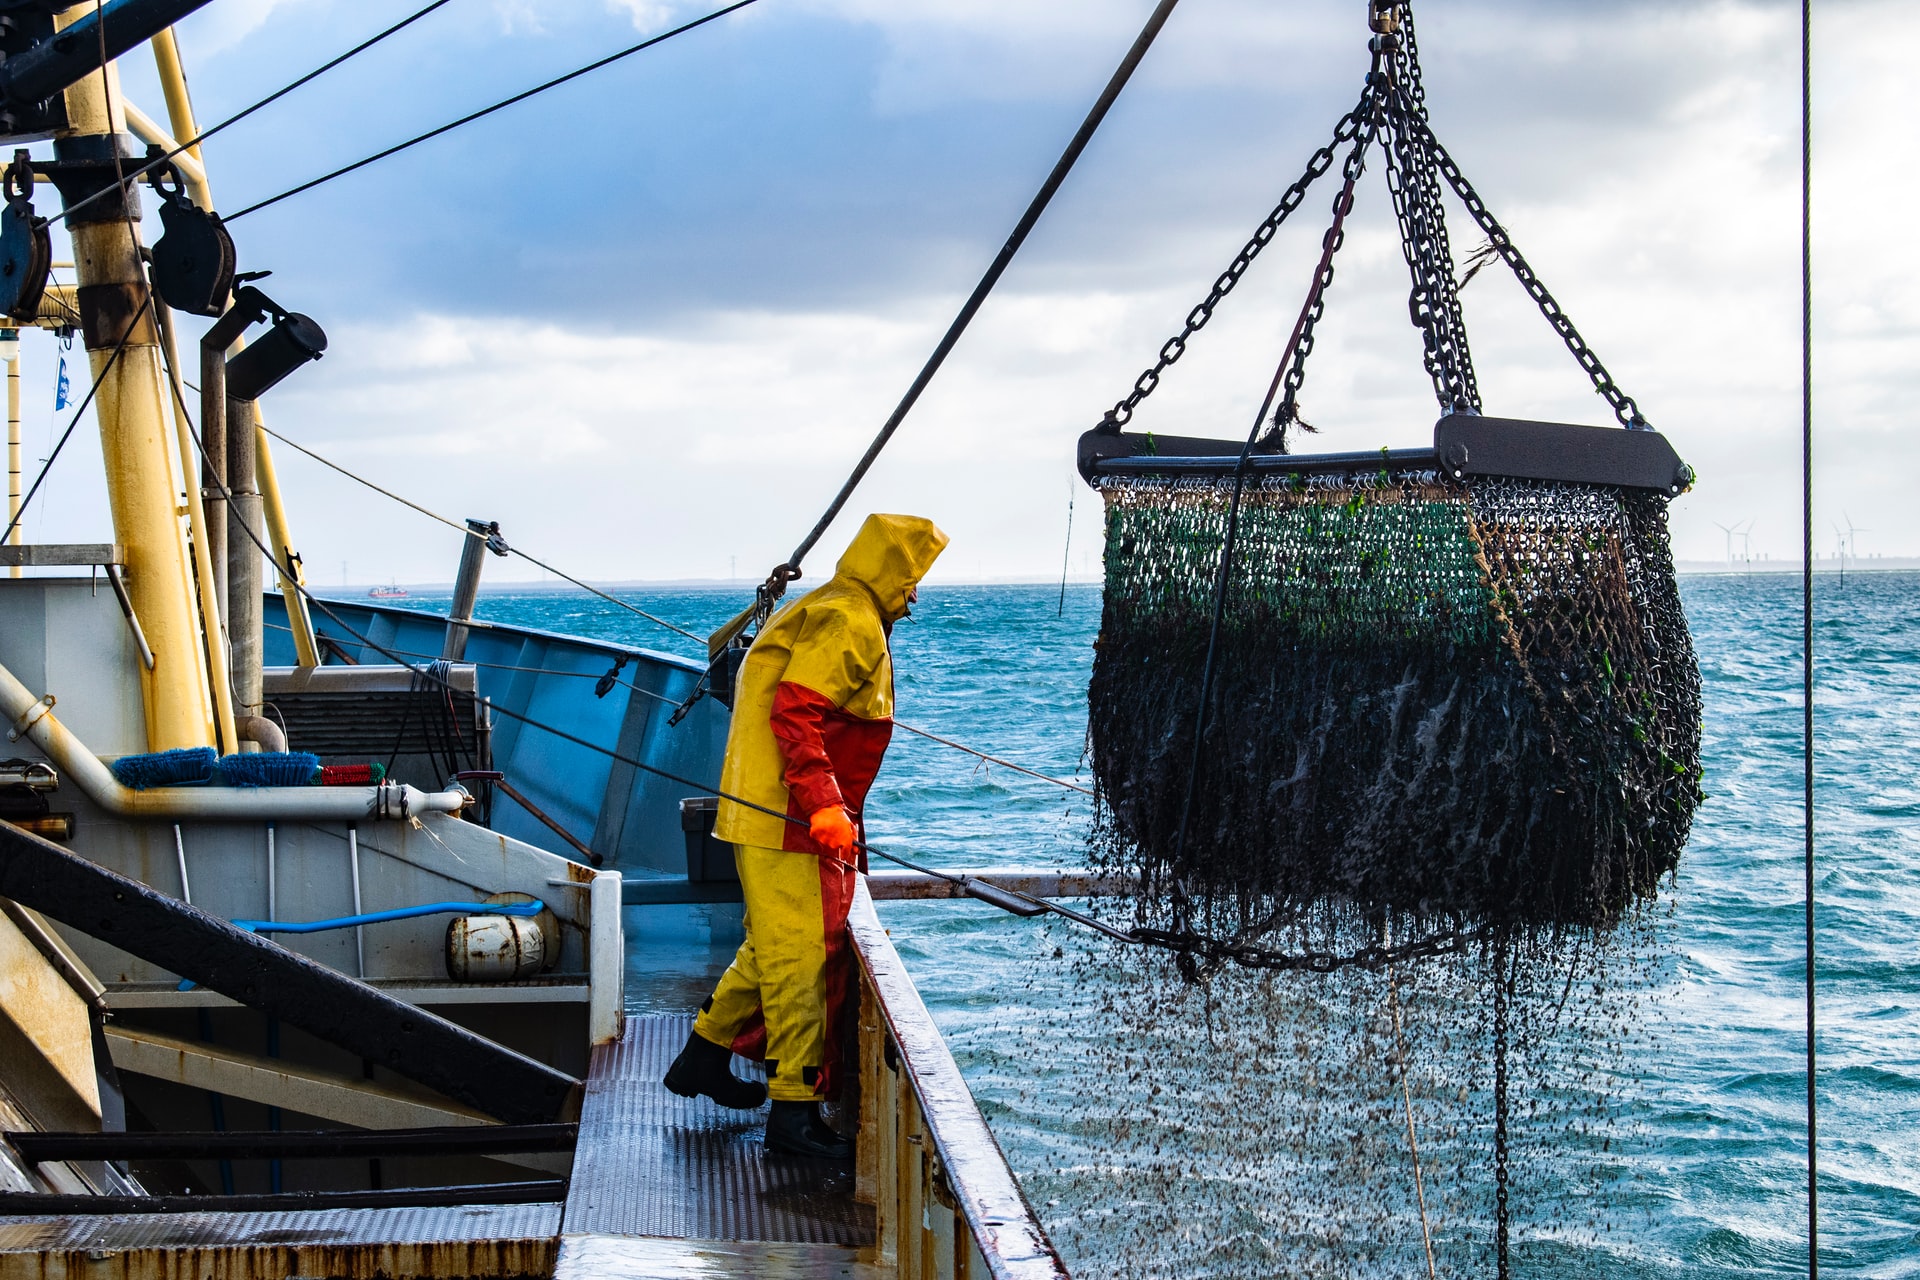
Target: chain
point(1205, 954)
point(1623, 404)
point(1288, 414)
point(1434, 301)
point(1176, 346)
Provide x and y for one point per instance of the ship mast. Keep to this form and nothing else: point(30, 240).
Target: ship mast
point(142, 473)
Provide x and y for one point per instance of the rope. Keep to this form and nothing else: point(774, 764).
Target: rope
point(504, 103)
point(236, 118)
point(467, 532)
point(1806, 608)
point(784, 573)
point(1413, 1142)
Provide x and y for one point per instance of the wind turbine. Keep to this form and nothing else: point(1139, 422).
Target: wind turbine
point(1739, 531)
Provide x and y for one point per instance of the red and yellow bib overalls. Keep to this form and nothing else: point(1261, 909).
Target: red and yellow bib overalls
point(812, 715)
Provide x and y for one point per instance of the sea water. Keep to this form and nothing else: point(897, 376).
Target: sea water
point(1706, 1158)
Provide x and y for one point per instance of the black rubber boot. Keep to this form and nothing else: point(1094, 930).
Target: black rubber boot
point(796, 1129)
point(706, 1069)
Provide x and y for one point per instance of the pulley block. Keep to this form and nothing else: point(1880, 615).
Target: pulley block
point(193, 262)
point(26, 246)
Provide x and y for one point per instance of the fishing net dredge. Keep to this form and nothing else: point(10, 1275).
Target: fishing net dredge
point(1432, 694)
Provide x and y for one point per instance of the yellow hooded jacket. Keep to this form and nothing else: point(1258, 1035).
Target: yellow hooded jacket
point(813, 709)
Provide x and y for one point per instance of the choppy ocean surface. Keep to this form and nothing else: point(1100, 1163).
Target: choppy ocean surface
point(1713, 1145)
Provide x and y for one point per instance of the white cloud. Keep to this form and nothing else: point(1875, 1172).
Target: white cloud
point(1644, 156)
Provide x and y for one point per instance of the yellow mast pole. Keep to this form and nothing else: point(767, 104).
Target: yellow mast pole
point(180, 118)
point(13, 442)
point(134, 440)
point(216, 647)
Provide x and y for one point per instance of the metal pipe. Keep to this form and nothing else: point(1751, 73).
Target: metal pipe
point(33, 719)
point(44, 1204)
point(213, 465)
point(124, 356)
point(286, 561)
point(359, 931)
point(262, 732)
point(74, 53)
point(13, 451)
point(466, 586)
point(245, 537)
point(180, 852)
point(212, 632)
point(239, 1144)
point(547, 821)
point(147, 129)
point(119, 586)
point(173, 87)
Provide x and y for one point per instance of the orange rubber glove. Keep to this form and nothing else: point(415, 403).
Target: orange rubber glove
point(832, 829)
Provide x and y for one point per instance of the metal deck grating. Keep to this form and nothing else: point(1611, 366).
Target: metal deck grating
point(336, 1228)
point(652, 1164)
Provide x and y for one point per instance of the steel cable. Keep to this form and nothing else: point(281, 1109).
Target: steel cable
point(1806, 614)
point(501, 105)
point(238, 116)
point(790, 569)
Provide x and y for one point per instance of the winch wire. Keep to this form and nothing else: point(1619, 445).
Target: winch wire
point(190, 143)
point(432, 676)
point(66, 435)
point(1806, 612)
point(462, 528)
point(997, 895)
point(784, 573)
point(483, 112)
point(1004, 763)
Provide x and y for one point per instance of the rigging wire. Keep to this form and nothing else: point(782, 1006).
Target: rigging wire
point(66, 435)
point(1806, 611)
point(238, 116)
point(790, 569)
point(467, 532)
point(456, 525)
point(501, 105)
point(674, 702)
point(1066, 555)
point(1008, 899)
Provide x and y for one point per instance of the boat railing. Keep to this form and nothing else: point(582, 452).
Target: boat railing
point(946, 1203)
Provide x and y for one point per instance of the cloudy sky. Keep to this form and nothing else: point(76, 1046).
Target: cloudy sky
point(649, 320)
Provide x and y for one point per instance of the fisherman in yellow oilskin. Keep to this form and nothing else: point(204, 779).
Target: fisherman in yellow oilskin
point(812, 714)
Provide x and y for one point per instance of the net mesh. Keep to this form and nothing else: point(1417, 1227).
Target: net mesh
point(1439, 708)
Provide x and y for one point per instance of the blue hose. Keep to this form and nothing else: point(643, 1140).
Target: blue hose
point(522, 909)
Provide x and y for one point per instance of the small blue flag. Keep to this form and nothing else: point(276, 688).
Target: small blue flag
point(60, 387)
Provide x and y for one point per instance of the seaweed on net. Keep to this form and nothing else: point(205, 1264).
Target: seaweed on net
point(1451, 748)
point(1451, 711)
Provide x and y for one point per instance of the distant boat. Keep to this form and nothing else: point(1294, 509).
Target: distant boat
point(387, 593)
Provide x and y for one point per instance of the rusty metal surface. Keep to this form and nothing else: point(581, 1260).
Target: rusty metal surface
point(626, 1258)
point(651, 1164)
point(1011, 1240)
point(350, 1244)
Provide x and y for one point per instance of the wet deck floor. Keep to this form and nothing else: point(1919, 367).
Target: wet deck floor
point(662, 1187)
point(654, 1171)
